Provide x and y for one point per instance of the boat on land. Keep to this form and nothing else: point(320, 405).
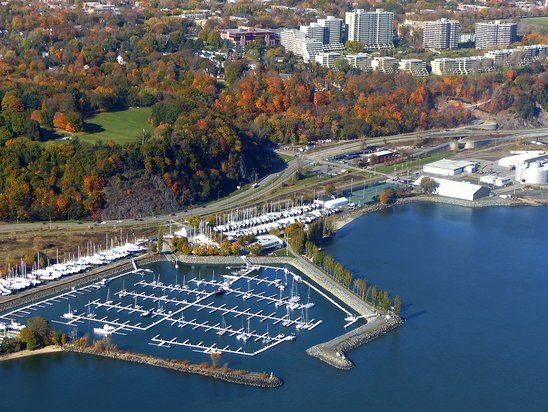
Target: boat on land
point(105, 330)
point(14, 325)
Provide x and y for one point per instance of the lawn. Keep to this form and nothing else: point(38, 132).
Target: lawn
point(121, 126)
point(538, 24)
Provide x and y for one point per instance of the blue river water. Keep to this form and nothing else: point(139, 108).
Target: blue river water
point(474, 283)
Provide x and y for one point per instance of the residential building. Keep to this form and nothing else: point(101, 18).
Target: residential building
point(327, 59)
point(441, 34)
point(373, 29)
point(361, 61)
point(385, 64)
point(333, 30)
point(414, 67)
point(244, 35)
point(299, 44)
point(495, 34)
point(314, 31)
point(444, 66)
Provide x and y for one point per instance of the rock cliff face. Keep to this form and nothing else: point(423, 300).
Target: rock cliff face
point(137, 196)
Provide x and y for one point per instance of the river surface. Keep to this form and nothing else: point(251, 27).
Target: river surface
point(474, 283)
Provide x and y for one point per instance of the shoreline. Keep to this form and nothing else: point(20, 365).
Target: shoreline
point(29, 353)
point(345, 218)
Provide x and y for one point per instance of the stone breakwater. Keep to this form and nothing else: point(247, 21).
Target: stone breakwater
point(327, 352)
point(241, 377)
point(335, 351)
point(58, 286)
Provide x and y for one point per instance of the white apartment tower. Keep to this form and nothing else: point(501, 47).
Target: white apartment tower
point(373, 29)
point(440, 34)
point(495, 34)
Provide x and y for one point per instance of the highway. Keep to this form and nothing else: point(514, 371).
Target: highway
point(271, 182)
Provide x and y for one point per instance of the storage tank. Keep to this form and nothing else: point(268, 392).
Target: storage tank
point(532, 172)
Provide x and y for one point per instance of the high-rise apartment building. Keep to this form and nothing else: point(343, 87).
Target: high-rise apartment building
point(495, 34)
point(440, 34)
point(333, 30)
point(372, 29)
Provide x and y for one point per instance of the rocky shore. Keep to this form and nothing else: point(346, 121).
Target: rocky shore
point(241, 377)
point(335, 351)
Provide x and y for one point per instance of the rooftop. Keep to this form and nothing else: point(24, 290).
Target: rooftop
point(448, 164)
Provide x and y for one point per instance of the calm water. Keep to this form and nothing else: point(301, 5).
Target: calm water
point(475, 287)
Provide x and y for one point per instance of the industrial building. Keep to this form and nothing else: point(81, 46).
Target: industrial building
point(496, 181)
point(441, 34)
point(512, 162)
point(533, 171)
point(458, 190)
point(372, 29)
point(446, 167)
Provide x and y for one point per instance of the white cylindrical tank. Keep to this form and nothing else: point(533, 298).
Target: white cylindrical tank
point(533, 172)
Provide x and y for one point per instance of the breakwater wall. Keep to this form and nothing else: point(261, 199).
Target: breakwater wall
point(334, 352)
point(307, 268)
point(241, 377)
point(74, 281)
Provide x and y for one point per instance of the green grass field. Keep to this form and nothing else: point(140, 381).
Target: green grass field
point(534, 24)
point(121, 127)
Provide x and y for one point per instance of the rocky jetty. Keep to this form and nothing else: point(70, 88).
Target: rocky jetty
point(335, 351)
point(241, 377)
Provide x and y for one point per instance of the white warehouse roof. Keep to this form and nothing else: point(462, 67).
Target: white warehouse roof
point(447, 164)
point(513, 161)
point(458, 190)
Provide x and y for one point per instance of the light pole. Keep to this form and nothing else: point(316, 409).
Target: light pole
point(218, 194)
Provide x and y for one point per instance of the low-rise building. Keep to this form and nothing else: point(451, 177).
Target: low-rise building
point(447, 167)
point(414, 67)
point(457, 190)
point(496, 181)
point(385, 64)
point(244, 35)
point(360, 61)
point(327, 59)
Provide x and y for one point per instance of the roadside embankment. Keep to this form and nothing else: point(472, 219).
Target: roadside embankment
point(241, 377)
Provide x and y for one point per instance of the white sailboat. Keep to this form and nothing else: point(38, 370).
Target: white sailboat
point(105, 330)
point(222, 331)
point(70, 314)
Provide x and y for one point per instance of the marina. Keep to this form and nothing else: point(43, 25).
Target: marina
point(241, 312)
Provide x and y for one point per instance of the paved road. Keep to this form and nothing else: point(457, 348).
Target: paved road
point(271, 182)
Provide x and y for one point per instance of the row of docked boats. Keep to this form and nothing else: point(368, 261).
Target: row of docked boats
point(262, 224)
point(17, 282)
